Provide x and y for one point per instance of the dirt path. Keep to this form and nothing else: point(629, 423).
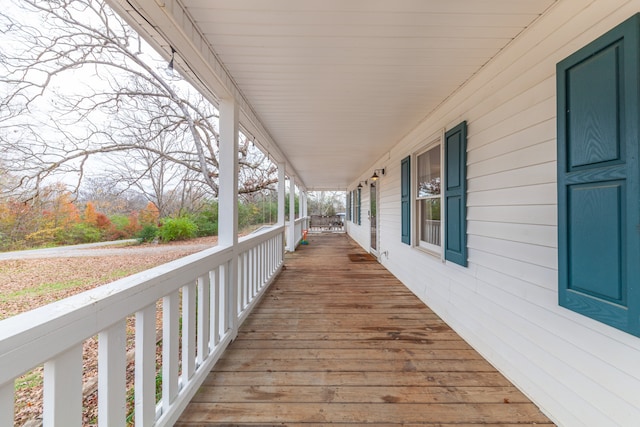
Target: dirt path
point(116, 248)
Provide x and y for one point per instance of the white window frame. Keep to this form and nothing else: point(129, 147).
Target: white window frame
point(417, 218)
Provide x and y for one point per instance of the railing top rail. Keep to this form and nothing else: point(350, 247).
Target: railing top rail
point(258, 237)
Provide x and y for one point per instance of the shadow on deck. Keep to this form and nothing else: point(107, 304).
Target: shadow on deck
point(338, 339)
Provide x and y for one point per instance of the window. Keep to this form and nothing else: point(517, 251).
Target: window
point(428, 198)
point(441, 213)
point(355, 203)
point(598, 179)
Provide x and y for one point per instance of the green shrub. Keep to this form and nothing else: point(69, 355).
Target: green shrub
point(120, 222)
point(180, 228)
point(147, 234)
point(207, 222)
point(79, 233)
point(207, 219)
point(207, 228)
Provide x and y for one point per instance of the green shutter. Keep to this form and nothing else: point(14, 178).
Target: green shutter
point(455, 195)
point(598, 179)
point(405, 199)
point(348, 206)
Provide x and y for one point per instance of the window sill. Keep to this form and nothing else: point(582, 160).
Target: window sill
point(432, 252)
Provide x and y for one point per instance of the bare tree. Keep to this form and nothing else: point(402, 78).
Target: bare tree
point(110, 196)
point(326, 202)
point(120, 113)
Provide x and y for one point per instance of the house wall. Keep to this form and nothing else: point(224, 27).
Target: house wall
point(579, 371)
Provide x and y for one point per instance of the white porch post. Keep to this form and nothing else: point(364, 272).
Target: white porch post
point(300, 202)
point(292, 215)
point(305, 211)
point(304, 204)
point(228, 199)
point(281, 193)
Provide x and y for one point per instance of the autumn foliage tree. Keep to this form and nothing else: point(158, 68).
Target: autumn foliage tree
point(54, 218)
point(90, 214)
point(56, 215)
point(150, 215)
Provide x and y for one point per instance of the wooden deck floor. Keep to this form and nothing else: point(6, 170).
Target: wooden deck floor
point(337, 339)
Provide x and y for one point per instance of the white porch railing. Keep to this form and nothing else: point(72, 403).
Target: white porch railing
point(209, 313)
point(326, 223)
point(300, 225)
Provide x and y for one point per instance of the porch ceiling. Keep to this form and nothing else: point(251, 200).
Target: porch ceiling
point(336, 83)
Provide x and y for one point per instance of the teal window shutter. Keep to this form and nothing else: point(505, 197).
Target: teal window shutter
point(598, 179)
point(359, 196)
point(455, 195)
point(405, 199)
point(354, 207)
point(348, 206)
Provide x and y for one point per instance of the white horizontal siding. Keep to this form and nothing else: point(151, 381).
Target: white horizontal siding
point(579, 371)
point(541, 173)
point(541, 235)
point(538, 194)
point(512, 162)
point(536, 215)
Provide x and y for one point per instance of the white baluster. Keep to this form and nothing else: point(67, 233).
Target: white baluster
point(62, 397)
point(112, 376)
point(169, 349)
point(214, 278)
point(145, 371)
point(6, 403)
point(204, 317)
point(188, 332)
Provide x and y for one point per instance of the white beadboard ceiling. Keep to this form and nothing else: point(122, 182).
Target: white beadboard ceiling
point(337, 83)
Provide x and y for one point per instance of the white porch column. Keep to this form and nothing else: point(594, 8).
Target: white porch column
point(292, 215)
point(281, 193)
point(300, 202)
point(305, 211)
point(304, 204)
point(228, 198)
point(302, 209)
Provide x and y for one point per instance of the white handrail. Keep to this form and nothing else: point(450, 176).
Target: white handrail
point(52, 334)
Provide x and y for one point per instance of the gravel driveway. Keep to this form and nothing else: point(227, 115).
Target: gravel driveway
point(116, 248)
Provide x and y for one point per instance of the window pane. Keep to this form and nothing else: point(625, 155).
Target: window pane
point(430, 220)
point(429, 173)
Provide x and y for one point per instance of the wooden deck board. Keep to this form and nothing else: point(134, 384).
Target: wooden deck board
point(337, 339)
